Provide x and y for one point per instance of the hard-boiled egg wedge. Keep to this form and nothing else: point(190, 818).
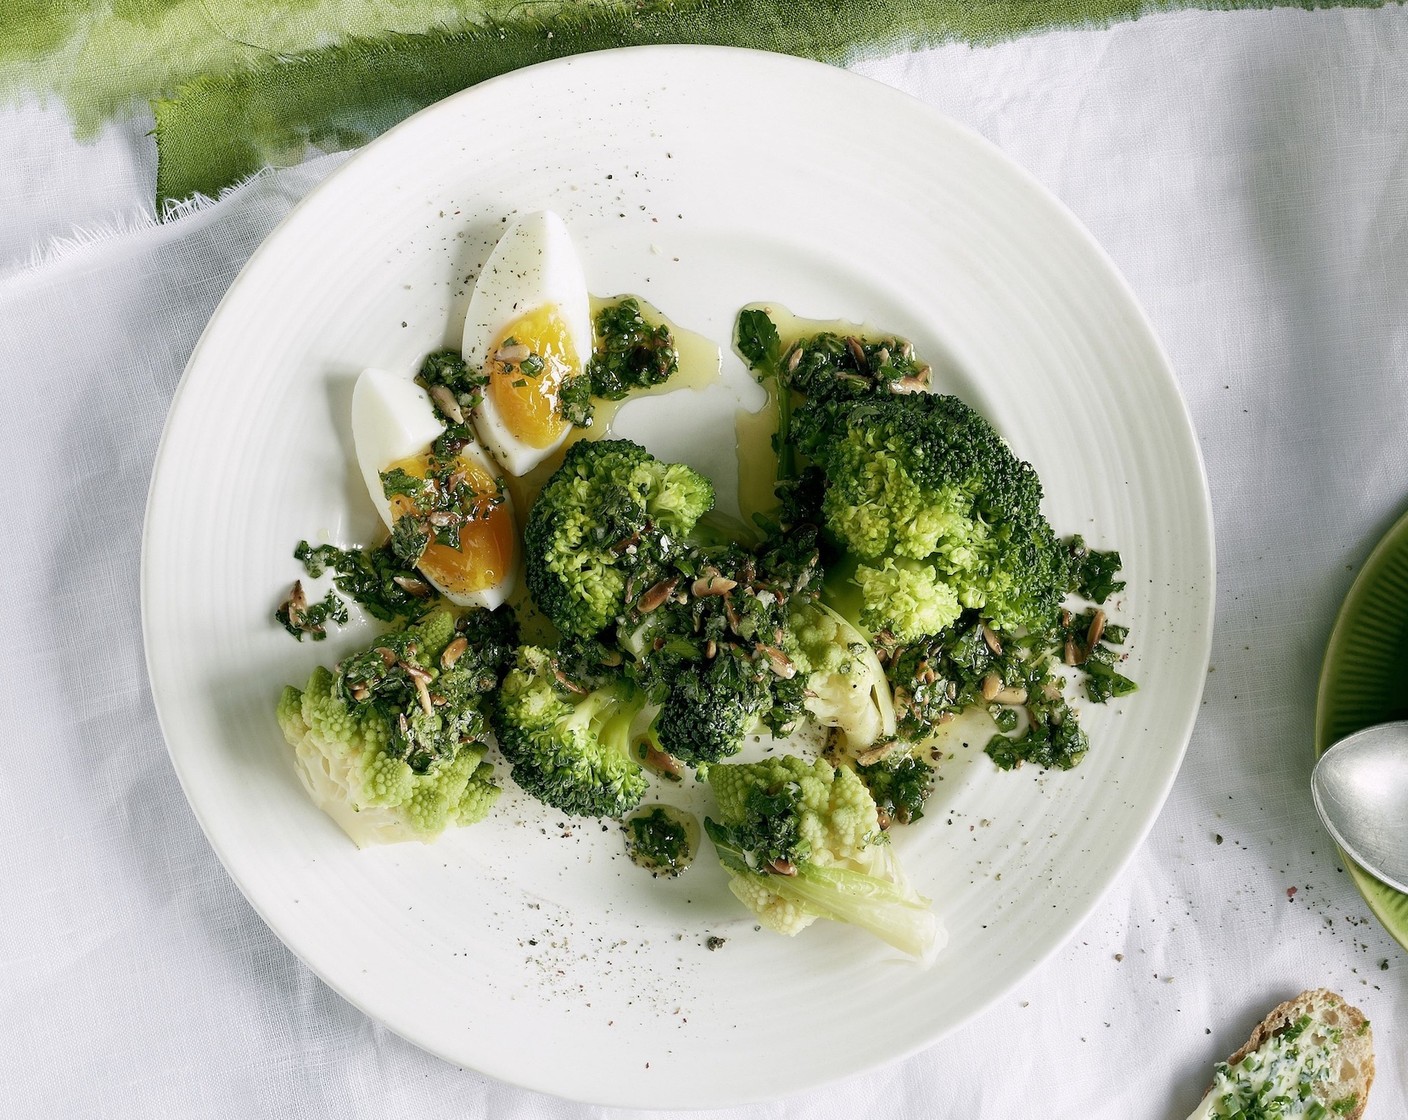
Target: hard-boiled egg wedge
point(393, 426)
point(529, 329)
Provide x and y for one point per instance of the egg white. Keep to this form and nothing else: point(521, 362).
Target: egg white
point(393, 419)
point(533, 265)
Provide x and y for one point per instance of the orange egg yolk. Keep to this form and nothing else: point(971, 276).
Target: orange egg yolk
point(488, 545)
point(527, 400)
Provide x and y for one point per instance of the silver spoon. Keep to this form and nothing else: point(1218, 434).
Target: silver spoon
point(1360, 786)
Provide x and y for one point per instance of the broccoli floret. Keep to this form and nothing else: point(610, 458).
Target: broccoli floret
point(602, 531)
point(571, 745)
point(802, 841)
point(391, 745)
point(710, 706)
point(940, 513)
point(718, 653)
point(907, 598)
point(934, 545)
point(917, 487)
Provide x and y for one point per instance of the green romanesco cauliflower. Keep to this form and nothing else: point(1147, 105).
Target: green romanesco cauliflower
point(391, 744)
point(774, 911)
point(802, 840)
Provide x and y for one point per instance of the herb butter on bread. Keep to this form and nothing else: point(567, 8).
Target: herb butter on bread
point(1313, 1056)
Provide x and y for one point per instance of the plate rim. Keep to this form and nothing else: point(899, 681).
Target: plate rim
point(936, 118)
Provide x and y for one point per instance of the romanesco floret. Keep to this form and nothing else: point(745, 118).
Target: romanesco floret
point(391, 745)
point(289, 713)
point(802, 841)
point(776, 912)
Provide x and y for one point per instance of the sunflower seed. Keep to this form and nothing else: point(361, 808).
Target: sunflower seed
point(778, 662)
point(442, 396)
point(412, 586)
point(566, 682)
point(993, 643)
point(874, 754)
point(423, 695)
point(857, 352)
point(453, 652)
point(657, 595)
point(712, 584)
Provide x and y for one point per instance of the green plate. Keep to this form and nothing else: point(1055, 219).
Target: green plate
point(1365, 681)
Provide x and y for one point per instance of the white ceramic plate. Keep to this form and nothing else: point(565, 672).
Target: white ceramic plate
point(528, 947)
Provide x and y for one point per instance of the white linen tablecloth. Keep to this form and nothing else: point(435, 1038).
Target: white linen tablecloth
point(1248, 173)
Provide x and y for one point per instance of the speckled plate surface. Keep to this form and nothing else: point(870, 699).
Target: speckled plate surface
point(1364, 681)
point(529, 947)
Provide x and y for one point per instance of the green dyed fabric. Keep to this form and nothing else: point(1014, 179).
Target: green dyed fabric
point(238, 85)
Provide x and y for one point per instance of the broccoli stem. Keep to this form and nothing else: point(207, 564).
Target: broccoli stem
point(607, 718)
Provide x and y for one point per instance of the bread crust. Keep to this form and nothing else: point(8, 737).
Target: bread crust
point(1354, 1056)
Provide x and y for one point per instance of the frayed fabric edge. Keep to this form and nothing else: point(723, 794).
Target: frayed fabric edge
point(85, 240)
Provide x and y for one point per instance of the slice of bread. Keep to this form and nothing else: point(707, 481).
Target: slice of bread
point(1330, 1022)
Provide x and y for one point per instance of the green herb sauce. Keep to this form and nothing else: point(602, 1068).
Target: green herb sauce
point(661, 839)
